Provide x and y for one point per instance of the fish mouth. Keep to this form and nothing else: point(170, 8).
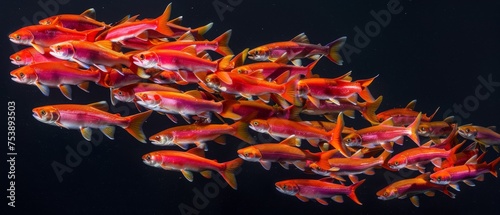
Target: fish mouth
point(37, 117)
point(438, 182)
point(15, 78)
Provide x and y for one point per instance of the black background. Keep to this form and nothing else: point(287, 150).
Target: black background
point(432, 52)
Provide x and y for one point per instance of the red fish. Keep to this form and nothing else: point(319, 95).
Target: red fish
point(416, 158)
point(30, 55)
point(404, 116)
point(411, 187)
point(219, 44)
point(114, 78)
point(43, 36)
point(139, 29)
point(193, 160)
point(86, 117)
point(316, 89)
point(305, 189)
point(436, 129)
point(248, 110)
point(483, 135)
point(297, 48)
point(80, 22)
point(127, 93)
point(198, 134)
point(330, 110)
point(383, 135)
point(56, 74)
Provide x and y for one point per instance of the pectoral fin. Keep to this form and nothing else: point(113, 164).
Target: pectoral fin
point(109, 131)
point(86, 133)
point(187, 174)
point(65, 90)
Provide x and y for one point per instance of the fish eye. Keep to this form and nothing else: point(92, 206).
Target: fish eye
point(144, 96)
point(58, 48)
point(439, 178)
point(18, 58)
point(48, 22)
point(120, 93)
point(43, 112)
point(396, 163)
point(18, 36)
point(467, 130)
point(246, 154)
point(284, 187)
point(348, 140)
point(21, 75)
point(141, 56)
point(148, 157)
point(255, 123)
point(386, 193)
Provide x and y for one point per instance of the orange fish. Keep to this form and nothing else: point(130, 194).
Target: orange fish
point(30, 55)
point(80, 22)
point(404, 116)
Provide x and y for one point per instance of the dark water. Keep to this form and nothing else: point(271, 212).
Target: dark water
point(432, 52)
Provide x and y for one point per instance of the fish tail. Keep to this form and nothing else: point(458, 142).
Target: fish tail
point(413, 127)
point(365, 92)
point(203, 29)
point(451, 157)
point(241, 132)
point(336, 136)
point(162, 22)
point(368, 111)
point(228, 172)
point(289, 93)
point(91, 35)
point(310, 68)
point(493, 165)
point(227, 110)
point(224, 63)
point(222, 43)
point(353, 188)
point(293, 112)
point(333, 50)
point(134, 127)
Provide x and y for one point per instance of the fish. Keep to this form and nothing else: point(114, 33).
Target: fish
point(436, 129)
point(460, 158)
point(41, 37)
point(486, 136)
point(86, 117)
point(316, 89)
point(305, 189)
point(56, 74)
point(193, 160)
point(465, 173)
point(219, 44)
point(249, 86)
point(383, 134)
point(30, 56)
point(286, 152)
point(198, 134)
point(184, 104)
point(99, 54)
point(404, 116)
point(139, 29)
point(297, 48)
point(411, 188)
point(115, 79)
point(80, 22)
point(127, 93)
point(416, 158)
point(171, 77)
point(244, 110)
point(183, 61)
point(351, 166)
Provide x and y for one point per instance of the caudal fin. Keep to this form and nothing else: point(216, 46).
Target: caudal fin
point(289, 93)
point(365, 92)
point(413, 127)
point(228, 172)
point(162, 22)
point(241, 132)
point(369, 109)
point(492, 166)
point(134, 127)
point(92, 34)
point(352, 194)
point(222, 43)
point(310, 68)
point(334, 48)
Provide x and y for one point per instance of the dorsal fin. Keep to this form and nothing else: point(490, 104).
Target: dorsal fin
point(493, 128)
point(190, 50)
point(188, 36)
point(388, 122)
point(449, 119)
point(472, 160)
point(196, 151)
point(224, 77)
point(176, 21)
point(107, 44)
point(89, 13)
point(301, 38)
point(102, 105)
point(411, 105)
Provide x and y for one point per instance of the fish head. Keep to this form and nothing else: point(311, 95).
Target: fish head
point(302, 89)
point(318, 170)
point(424, 130)
point(213, 82)
point(467, 131)
point(249, 154)
point(148, 99)
point(151, 159)
point(259, 125)
point(287, 187)
point(63, 50)
point(352, 140)
point(21, 58)
point(440, 177)
point(146, 59)
point(22, 36)
point(259, 54)
point(242, 70)
point(123, 95)
point(388, 193)
point(162, 139)
point(397, 162)
point(382, 117)
point(24, 75)
point(49, 21)
point(46, 114)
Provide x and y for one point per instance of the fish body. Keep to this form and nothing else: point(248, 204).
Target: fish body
point(30, 56)
point(80, 22)
point(416, 158)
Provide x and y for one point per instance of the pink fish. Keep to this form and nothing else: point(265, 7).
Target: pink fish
point(416, 158)
point(219, 44)
point(30, 55)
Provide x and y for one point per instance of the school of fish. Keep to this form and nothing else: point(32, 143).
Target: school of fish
point(145, 60)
